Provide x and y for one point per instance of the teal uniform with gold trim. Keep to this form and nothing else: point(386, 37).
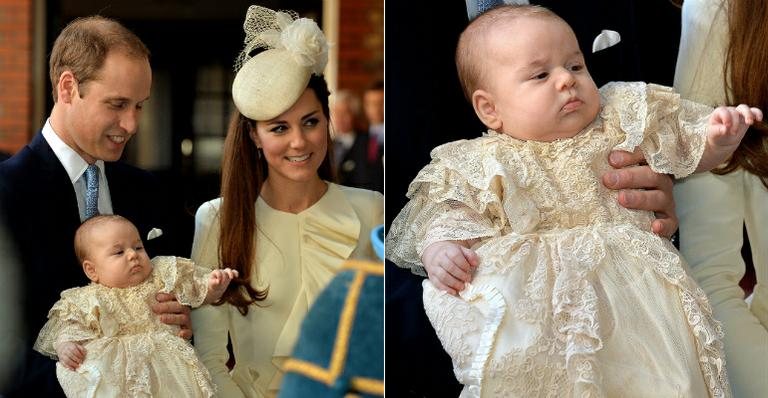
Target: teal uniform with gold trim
point(340, 351)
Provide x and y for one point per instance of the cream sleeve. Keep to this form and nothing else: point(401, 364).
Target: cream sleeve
point(74, 318)
point(210, 324)
point(711, 210)
point(458, 196)
point(669, 130)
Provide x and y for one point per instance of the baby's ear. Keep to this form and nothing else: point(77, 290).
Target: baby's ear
point(485, 109)
point(90, 271)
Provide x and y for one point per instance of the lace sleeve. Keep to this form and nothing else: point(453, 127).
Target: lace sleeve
point(452, 198)
point(669, 130)
point(72, 318)
point(181, 277)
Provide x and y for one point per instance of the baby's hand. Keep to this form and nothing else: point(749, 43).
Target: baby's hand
point(727, 125)
point(70, 354)
point(218, 282)
point(726, 128)
point(449, 265)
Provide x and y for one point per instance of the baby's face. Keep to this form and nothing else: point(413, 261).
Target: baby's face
point(117, 254)
point(536, 82)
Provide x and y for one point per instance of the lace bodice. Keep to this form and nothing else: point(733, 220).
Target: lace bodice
point(496, 185)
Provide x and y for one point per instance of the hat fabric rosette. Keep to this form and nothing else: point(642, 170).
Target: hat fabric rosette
point(270, 82)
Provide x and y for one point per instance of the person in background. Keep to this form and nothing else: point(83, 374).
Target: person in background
point(373, 106)
point(363, 165)
point(360, 165)
point(351, 145)
point(723, 59)
point(101, 78)
point(281, 222)
point(345, 111)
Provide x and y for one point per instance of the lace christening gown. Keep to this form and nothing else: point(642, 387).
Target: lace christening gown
point(130, 353)
point(574, 295)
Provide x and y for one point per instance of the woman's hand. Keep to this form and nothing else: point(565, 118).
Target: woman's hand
point(641, 188)
point(173, 313)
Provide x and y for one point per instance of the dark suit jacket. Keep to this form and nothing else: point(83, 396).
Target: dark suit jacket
point(357, 170)
point(41, 214)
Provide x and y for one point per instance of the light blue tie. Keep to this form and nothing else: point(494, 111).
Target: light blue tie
point(91, 191)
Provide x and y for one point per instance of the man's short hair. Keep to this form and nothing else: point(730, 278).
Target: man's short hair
point(83, 46)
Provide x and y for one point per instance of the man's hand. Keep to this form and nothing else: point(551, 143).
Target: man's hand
point(641, 188)
point(173, 313)
point(70, 354)
point(449, 265)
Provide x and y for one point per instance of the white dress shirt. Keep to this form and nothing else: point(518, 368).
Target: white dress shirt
point(75, 166)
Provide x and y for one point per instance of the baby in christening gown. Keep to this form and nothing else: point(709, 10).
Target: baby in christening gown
point(573, 294)
point(104, 335)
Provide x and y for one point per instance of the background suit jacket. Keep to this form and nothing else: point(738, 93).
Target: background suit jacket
point(41, 215)
point(357, 170)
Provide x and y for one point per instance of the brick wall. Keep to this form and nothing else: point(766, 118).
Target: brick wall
point(361, 43)
point(15, 73)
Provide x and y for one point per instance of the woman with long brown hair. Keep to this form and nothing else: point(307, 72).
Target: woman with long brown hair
point(723, 59)
point(280, 220)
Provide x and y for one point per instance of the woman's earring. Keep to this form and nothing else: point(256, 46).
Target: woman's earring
point(258, 152)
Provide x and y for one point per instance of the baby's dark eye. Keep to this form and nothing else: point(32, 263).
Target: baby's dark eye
point(541, 76)
point(139, 248)
point(577, 67)
point(119, 253)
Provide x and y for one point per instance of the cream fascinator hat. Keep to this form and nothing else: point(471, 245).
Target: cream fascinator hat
point(270, 82)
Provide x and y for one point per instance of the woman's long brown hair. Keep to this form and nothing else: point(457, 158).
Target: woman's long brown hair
point(746, 77)
point(243, 173)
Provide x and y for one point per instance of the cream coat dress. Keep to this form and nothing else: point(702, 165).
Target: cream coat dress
point(297, 255)
point(574, 296)
point(713, 210)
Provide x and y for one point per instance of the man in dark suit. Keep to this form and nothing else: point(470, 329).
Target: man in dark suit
point(363, 163)
point(362, 166)
point(356, 166)
point(101, 77)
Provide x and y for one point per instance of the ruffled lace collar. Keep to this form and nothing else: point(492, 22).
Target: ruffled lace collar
point(517, 142)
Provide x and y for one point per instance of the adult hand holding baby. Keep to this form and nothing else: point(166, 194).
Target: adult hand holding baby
point(641, 188)
point(172, 312)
